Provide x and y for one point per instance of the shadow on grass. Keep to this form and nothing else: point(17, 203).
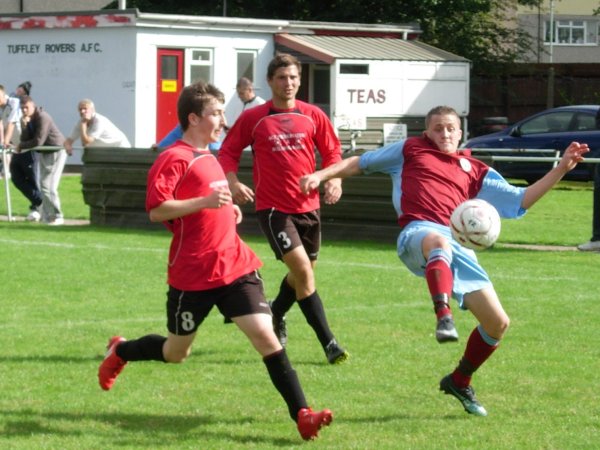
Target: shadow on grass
point(137, 429)
point(48, 359)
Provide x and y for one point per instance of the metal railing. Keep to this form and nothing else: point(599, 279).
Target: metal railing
point(499, 158)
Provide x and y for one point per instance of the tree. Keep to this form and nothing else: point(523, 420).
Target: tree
point(480, 30)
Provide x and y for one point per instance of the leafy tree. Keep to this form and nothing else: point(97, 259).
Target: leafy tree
point(475, 29)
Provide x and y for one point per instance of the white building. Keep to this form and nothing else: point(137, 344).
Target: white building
point(133, 65)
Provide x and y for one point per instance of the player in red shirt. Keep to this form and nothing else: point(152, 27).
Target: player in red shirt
point(430, 178)
point(209, 265)
point(283, 134)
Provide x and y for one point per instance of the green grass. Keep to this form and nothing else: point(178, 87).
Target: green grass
point(66, 290)
point(70, 195)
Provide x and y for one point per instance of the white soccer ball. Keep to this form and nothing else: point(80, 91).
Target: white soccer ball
point(475, 224)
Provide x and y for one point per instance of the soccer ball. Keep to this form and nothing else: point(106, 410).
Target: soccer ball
point(475, 224)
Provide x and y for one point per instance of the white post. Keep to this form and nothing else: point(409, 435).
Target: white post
point(122, 4)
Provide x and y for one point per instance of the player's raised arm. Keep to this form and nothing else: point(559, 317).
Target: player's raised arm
point(572, 156)
point(343, 169)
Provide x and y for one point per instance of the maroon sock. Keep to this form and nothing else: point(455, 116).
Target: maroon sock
point(439, 280)
point(476, 353)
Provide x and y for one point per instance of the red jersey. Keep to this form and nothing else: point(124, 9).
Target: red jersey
point(283, 145)
point(206, 251)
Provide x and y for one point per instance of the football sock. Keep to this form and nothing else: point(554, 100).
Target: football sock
point(147, 348)
point(312, 308)
point(286, 381)
point(480, 347)
point(285, 299)
point(439, 280)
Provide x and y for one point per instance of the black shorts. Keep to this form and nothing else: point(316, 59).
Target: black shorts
point(186, 310)
point(285, 231)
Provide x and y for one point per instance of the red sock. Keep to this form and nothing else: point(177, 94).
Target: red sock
point(476, 353)
point(439, 280)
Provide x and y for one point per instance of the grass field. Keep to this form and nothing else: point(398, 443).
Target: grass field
point(66, 290)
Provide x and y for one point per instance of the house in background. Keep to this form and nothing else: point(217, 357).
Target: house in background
point(133, 65)
point(37, 6)
point(575, 37)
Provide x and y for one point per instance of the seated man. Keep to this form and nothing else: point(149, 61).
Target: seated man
point(95, 130)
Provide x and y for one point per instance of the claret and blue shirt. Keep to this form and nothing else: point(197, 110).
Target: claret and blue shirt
point(427, 185)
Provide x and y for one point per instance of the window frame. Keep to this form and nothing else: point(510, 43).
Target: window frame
point(190, 62)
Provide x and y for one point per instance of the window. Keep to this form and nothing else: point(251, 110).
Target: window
point(198, 65)
point(585, 122)
point(168, 67)
point(547, 123)
point(571, 32)
point(246, 61)
point(354, 69)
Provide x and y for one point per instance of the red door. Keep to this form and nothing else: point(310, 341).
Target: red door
point(169, 82)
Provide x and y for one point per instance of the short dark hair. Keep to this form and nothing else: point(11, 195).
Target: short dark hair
point(440, 111)
point(282, 60)
point(194, 98)
point(26, 86)
point(26, 99)
point(244, 83)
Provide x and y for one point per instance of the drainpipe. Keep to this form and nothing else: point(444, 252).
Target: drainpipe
point(550, 95)
point(122, 4)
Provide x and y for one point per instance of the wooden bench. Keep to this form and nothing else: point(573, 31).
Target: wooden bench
point(114, 187)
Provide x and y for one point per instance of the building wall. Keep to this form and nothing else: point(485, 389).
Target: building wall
point(534, 20)
point(224, 46)
point(29, 6)
point(66, 65)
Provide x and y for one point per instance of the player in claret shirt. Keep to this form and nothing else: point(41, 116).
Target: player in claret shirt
point(209, 265)
point(430, 178)
point(283, 134)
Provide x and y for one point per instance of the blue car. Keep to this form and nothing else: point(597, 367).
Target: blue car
point(552, 129)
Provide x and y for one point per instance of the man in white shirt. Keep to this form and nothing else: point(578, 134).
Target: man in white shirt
point(10, 114)
point(247, 99)
point(95, 130)
point(10, 126)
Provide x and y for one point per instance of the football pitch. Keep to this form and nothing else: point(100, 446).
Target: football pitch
point(66, 290)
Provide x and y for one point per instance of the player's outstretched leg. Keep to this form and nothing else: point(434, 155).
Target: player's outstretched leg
point(466, 396)
point(310, 422)
point(112, 365)
point(312, 308)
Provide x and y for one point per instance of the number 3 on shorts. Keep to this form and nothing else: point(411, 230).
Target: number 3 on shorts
point(285, 240)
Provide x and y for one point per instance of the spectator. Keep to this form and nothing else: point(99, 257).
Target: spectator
point(39, 129)
point(10, 122)
point(10, 114)
point(23, 90)
point(594, 243)
point(247, 99)
point(95, 130)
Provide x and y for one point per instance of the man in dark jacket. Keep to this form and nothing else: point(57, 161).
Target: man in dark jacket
point(39, 130)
